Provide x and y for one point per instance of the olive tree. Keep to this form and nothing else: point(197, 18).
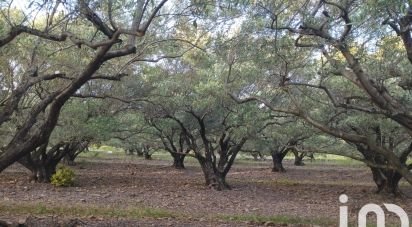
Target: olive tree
point(77, 42)
point(354, 82)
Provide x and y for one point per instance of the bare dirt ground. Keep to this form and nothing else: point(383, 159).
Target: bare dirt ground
point(108, 191)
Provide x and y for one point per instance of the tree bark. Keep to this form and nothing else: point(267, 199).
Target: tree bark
point(277, 159)
point(146, 152)
point(41, 169)
point(387, 181)
point(69, 160)
point(138, 151)
point(213, 177)
point(72, 154)
point(43, 173)
point(255, 156)
point(299, 159)
point(70, 157)
point(178, 161)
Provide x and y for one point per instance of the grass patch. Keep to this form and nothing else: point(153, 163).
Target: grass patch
point(253, 163)
point(100, 154)
point(134, 213)
point(90, 154)
point(82, 211)
point(86, 211)
point(339, 162)
point(278, 219)
point(334, 160)
point(108, 152)
point(103, 152)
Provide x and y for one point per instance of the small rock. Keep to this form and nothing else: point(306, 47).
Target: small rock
point(82, 200)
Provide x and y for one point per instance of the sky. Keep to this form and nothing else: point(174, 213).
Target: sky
point(21, 4)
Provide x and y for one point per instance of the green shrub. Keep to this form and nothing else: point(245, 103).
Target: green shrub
point(63, 177)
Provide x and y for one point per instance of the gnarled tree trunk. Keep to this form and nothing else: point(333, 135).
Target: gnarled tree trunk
point(41, 169)
point(72, 154)
point(43, 161)
point(139, 152)
point(387, 181)
point(298, 158)
point(178, 160)
point(213, 178)
point(277, 159)
point(134, 150)
point(257, 156)
point(43, 173)
point(146, 152)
